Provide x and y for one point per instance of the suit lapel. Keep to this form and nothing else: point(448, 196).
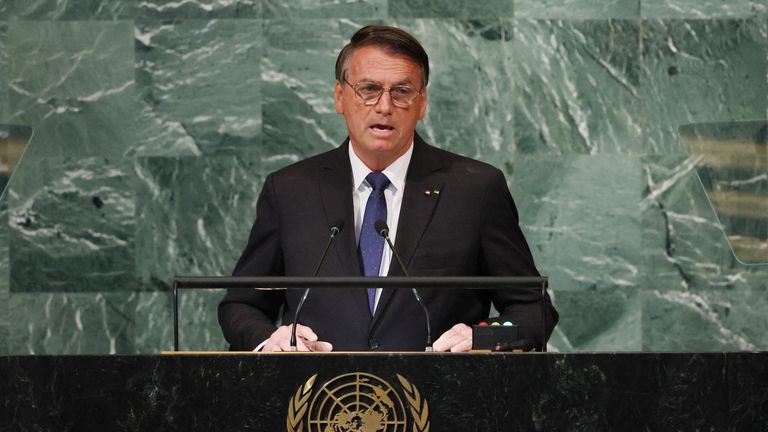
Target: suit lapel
point(416, 211)
point(335, 183)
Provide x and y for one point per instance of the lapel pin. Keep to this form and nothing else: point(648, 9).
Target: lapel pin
point(427, 192)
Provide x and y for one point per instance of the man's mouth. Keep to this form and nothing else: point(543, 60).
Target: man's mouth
point(381, 127)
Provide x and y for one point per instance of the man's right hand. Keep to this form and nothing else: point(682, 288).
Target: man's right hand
point(306, 340)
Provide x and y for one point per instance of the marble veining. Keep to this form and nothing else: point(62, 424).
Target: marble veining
point(578, 9)
point(156, 123)
point(702, 8)
point(199, 87)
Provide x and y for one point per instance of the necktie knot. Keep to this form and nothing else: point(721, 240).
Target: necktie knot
point(377, 180)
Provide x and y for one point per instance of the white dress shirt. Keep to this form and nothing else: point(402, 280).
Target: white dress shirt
point(361, 190)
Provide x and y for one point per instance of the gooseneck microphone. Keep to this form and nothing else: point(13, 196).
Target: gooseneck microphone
point(335, 230)
point(383, 230)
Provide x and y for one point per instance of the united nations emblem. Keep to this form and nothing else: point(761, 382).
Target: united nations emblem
point(357, 402)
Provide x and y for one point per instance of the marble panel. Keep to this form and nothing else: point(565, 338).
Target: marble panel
point(581, 217)
point(684, 245)
point(198, 87)
point(72, 226)
point(297, 76)
point(470, 105)
point(577, 87)
point(702, 8)
point(198, 322)
point(193, 215)
point(198, 9)
point(701, 71)
point(598, 319)
point(73, 83)
point(4, 68)
point(710, 320)
point(451, 9)
point(577, 9)
point(280, 9)
point(104, 10)
point(72, 323)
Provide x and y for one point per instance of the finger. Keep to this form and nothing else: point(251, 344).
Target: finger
point(439, 344)
point(462, 346)
point(305, 332)
point(443, 342)
point(452, 340)
point(462, 329)
point(285, 344)
point(319, 346)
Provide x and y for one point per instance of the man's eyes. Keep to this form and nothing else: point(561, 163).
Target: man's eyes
point(370, 88)
point(401, 91)
point(374, 89)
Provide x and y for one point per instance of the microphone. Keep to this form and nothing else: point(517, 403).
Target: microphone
point(383, 230)
point(335, 230)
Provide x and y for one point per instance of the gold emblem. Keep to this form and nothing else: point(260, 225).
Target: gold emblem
point(357, 402)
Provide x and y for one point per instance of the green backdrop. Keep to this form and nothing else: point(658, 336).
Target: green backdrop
point(157, 121)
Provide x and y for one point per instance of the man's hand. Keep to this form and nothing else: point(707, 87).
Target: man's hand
point(457, 339)
point(306, 340)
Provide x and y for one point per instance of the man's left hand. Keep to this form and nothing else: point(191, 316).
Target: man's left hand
point(457, 339)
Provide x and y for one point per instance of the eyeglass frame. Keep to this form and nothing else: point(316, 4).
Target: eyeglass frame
point(373, 102)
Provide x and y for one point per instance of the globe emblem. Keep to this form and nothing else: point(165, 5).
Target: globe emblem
point(356, 402)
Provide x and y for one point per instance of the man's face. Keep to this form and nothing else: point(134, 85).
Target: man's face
point(382, 132)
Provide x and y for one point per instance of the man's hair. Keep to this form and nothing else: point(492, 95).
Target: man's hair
point(391, 39)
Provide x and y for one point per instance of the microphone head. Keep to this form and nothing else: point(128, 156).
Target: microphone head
point(337, 227)
point(381, 227)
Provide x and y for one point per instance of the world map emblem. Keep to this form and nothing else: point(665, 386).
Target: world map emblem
point(358, 402)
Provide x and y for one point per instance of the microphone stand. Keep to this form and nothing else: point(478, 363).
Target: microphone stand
point(383, 230)
point(334, 232)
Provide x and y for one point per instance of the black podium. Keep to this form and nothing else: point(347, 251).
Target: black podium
point(407, 392)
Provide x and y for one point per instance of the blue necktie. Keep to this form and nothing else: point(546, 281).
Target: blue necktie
point(371, 243)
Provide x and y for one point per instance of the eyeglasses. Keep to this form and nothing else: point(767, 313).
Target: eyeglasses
point(370, 92)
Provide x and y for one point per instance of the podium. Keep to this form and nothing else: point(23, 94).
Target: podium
point(453, 392)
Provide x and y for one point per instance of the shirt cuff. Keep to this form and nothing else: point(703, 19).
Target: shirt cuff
point(260, 346)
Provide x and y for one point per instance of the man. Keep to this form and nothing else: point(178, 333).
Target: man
point(448, 216)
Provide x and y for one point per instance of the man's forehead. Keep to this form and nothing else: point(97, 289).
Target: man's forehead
point(375, 63)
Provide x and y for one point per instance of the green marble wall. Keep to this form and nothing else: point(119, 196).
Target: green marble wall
point(157, 121)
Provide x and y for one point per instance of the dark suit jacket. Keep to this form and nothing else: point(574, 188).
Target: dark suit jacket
point(469, 229)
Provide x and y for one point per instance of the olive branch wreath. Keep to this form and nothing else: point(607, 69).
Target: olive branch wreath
point(419, 406)
point(297, 407)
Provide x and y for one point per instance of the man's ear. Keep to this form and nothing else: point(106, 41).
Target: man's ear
point(337, 98)
point(423, 107)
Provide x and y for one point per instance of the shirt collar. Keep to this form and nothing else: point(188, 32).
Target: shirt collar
point(395, 172)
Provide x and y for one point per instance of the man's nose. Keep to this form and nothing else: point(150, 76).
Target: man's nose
point(384, 104)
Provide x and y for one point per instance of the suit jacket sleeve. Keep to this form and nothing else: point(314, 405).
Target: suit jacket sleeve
point(505, 252)
point(247, 316)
